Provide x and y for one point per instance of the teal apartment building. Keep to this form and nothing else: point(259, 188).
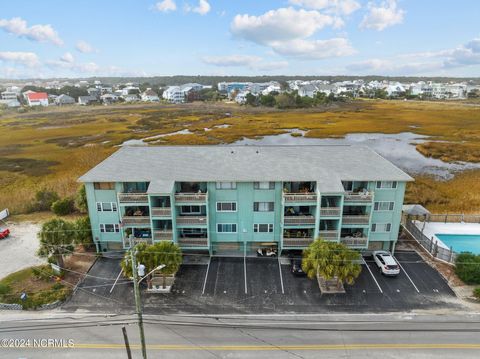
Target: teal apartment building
point(236, 199)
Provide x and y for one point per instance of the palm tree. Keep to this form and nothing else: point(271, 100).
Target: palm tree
point(331, 260)
point(57, 239)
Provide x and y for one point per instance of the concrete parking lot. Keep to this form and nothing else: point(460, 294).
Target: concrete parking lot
point(262, 285)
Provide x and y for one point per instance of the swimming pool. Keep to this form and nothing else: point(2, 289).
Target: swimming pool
point(461, 242)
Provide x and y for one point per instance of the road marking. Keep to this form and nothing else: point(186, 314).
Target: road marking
point(116, 280)
point(245, 272)
point(378, 285)
point(281, 276)
point(313, 347)
point(404, 271)
point(206, 276)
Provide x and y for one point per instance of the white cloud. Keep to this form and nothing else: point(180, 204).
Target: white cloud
point(252, 62)
point(287, 31)
point(67, 57)
point(42, 33)
point(202, 8)
point(29, 59)
point(84, 47)
point(381, 16)
point(344, 7)
point(166, 6)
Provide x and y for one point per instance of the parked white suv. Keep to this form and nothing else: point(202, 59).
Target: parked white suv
point(387, 264)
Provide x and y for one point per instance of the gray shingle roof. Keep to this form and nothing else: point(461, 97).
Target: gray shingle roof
point(245, 164)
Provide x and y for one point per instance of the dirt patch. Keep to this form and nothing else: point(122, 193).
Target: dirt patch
point(27, 166)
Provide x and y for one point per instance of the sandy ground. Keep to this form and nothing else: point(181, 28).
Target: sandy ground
point(19, 250)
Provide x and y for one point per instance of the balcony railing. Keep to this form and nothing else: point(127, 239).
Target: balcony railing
point(296, 242)
point(298, 220)
point(328, 235)
point(193, 242)
point(161, 211)
point(330, 211)
point(354, 242)
point(355, 219)
point(133, 198)
point(135, 220)
point(162, 235)
point(192, 220)
point(191, 197)
point(358, 197)
point(300, 197)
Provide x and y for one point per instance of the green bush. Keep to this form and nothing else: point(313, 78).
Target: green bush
point(476, 292)
point(44, 272)
point(43, 200)
point(4, 288)
point(467, 268)
point(83, 232)
point(64, 206)
point(81, 200)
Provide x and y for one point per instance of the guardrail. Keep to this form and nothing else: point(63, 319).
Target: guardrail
point(297, 242)
point(358, 198)
point(163, 235)
point(300, 197)
point(190, 197)
point(161, 211)
point(192, 220)
point(328, 235)
point(350, 219)
point(193, 242)
point(354, 242)
point(330, 212)
point(298, 220)
point(132, 198)
point(135, 220)
point(446, 218)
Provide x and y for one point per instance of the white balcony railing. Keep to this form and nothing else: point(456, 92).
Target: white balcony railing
point(298, 220)
point(358, 197)
point(135, 220)
point(296, 242)
point(132, 198)
point(193, 242)
point(355, 219)
point(330, 211)
point(328, 235)
point(191, 220)
point(354, 242)
point(161, 211)
point(300, 197)
point(191, 197)
point(162, 235)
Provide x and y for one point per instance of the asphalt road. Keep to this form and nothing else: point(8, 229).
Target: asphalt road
point(352, 336)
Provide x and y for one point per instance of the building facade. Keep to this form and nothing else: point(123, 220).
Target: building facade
point(236, 199)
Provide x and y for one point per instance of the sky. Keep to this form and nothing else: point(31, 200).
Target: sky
point(54, 38)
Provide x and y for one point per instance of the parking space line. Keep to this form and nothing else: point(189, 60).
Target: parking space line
point(245, 272)
point(206, 275)
point(404, 271)
point(116, 280)
point(378, 285)
point(281, 275)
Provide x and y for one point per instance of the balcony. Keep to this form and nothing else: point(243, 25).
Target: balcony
point(330, 211)
point(162, 235)
point(188, 220)
point(193, 242)
point(354, 242)
point(136, 220)
point(161, 211)
point(329, 235)
point(190, 197)
point(299, 220)
point(356, 219)
point(358, 197)
point(300, 197)
point(296, 242)
point(128, 198)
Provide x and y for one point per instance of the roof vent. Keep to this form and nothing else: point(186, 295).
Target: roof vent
point(257, 152)
point(232, 152)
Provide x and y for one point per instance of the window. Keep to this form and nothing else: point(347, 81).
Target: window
point(226, 206)
point(190, 210)
point(109, 228)
point(263, 206)
point(226, 185)
point(106, 207)
point(386, 184)
point(104, 185)
point(384, 206)
point(347, 186)
point(381, 227)
point(263, 227)
point(264, 185)
point(227, 228)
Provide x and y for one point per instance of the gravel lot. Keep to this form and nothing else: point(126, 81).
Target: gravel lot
point(18, 250)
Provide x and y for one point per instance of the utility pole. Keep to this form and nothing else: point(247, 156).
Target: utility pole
point(138, 301)
point(127, 344)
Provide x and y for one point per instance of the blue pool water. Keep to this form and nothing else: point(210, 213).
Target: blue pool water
point(461, 242)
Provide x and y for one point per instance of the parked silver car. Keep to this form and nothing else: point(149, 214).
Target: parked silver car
point(386, 263)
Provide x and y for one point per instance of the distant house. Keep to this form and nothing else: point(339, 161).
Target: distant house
point(9, 95)
point(26, 93)
point(95, 92)
point(174, 94)
point(109, 98)
point(10, 103)
point(64, 100)
point(37, 99)
point(86, 100)
point(130, 97)
point(307, 90)
point(150, 96)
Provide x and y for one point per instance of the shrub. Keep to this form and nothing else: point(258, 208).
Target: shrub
point(81, 200)
point(64, 206)
point(44, 200)
point(4, 288)
point(467, 268)
point(83, 232)
point(476, 292)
